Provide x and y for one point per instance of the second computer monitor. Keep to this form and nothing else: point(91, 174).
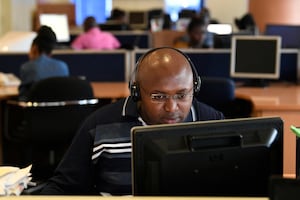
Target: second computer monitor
point(256, 58)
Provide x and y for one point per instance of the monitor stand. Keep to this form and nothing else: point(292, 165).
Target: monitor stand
point(256, 83)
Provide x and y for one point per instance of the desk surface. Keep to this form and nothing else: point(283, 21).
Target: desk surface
point(127, 198)
point(274, 97)
point(110, 90)
point(8, 91)
point(281, 100)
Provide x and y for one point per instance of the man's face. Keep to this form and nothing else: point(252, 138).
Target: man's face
point(166, 93)
point(197, 35)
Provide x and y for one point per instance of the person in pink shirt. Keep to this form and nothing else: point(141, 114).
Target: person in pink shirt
point(94, 38)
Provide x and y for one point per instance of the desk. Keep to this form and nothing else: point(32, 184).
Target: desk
point(281, 100)
point(106, 90)
point(110, 90)
point(8, 92)
point(127, 198)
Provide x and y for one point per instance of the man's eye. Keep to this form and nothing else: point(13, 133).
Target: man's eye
point(158, 96)
point(180, 96)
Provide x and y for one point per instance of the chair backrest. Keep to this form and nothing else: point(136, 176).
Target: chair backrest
point(47, 122)
point(58, 121)
point(219, 93)
point(284, 188)
point(216, 91)
point(60, 89)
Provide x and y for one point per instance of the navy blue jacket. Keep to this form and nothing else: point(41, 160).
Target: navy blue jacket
point(99, 159)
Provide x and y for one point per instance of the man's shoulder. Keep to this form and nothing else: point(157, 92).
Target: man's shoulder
point(110, 113)
point(206, 112)
point(29, 65)
point(57, 62)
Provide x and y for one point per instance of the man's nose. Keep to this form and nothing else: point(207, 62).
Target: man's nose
point(170, 105)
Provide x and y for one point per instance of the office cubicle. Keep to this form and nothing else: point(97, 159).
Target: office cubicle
point(216, 62)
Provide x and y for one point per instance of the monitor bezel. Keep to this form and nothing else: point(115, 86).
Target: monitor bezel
point(138, 134)
point(255, 75)
point(144, 19)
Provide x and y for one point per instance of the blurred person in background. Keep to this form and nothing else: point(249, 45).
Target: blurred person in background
point(94, 38)
point(41, 65)
point(196, 35)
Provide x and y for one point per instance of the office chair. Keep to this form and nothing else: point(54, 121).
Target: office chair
point(219, 93)
point(39, 130)
point(281, 188)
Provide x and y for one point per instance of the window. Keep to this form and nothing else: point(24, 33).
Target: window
point(174, 6)
point(100, 9)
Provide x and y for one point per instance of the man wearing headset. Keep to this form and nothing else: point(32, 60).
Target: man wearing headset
point(99, 159)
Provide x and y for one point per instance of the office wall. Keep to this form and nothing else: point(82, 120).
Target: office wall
point(275, 11)
point(226, 11)
point(54, 1)
point(16, 15)
point(5, 19)
point(138, 4)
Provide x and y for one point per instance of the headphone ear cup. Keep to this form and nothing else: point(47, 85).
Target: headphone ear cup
point(134, 92)
point(197, 84)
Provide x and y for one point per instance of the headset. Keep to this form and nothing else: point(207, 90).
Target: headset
point(133, 85)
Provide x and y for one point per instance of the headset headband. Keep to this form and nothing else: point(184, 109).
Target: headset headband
point(133, 86)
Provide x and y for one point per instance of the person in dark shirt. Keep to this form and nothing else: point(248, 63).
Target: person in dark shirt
point(99, 159)
point(41, 64)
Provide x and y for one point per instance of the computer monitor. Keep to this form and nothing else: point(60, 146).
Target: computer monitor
point(256, 58)
point(232, 157)
point(58, 23)
point(138, 19)
point(220, 29)
point(289, 34)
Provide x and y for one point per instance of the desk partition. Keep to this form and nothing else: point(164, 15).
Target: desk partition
point(11, 62)
point(217, 62)
point(139, 39)
point(110, 66)
point(289, 34)
point(116, 65)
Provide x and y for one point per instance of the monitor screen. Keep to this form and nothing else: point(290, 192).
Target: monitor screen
point(58, 23)
point(255, 57)
point(232, 157)
point(290, 34)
